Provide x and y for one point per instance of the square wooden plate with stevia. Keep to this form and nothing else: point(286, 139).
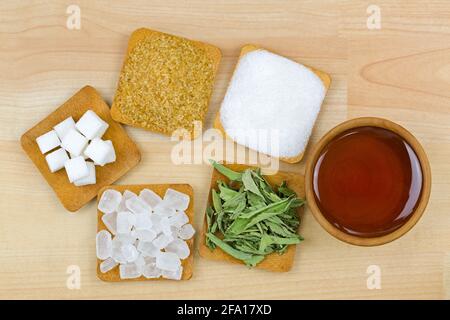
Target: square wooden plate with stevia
point(274, 261)
point(127, 153)
point(166, 82)
point(324, 77)
point(160, 189)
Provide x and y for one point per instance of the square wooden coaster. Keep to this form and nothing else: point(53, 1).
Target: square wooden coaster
point(127, 153)
point(166, 82)
point(160, 189)
point(326, 80)
point(272, 262)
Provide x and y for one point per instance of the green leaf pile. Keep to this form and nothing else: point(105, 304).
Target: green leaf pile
point(248, 219)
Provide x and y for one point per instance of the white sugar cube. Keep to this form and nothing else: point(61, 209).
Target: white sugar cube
point(179, 247)
point(168, 261)
point(99, 151)
point(74, 142)
point(107, 265)
point(81, 155)
point(48, 141)
point(150, 271)
point(112, 152)
point(176, 200)
point(150, 197)
point(186, 232)
point(90, 178)
point(76, 168)
point(136, 205)
point(110, 221)
point(56, 159)
point(91, 125)
point(129, 271)
point(64, 127)
point(103, 245)
point(109, 201)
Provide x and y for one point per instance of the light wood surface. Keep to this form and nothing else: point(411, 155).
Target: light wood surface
point(400, 72)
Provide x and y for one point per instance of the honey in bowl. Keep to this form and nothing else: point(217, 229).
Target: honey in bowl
point(367, 181)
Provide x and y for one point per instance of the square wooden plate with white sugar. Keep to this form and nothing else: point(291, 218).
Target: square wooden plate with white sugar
point(160, 189)
point(324, 77)
point(127, 153)
point(274, 261)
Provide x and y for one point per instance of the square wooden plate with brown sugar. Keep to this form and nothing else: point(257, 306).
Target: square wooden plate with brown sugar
point(274, 261)
point(127, 153)
point(326, 80)
point(160, 189)
point(166, 82)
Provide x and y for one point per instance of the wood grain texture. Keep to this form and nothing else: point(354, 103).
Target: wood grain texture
point(400, 72)
point(272, 262)
point(160, 189)
point(127, 154)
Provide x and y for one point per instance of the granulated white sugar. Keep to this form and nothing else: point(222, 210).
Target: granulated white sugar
point(271, 104)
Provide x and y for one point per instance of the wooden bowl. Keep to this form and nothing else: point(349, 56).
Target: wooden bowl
point(422, 201)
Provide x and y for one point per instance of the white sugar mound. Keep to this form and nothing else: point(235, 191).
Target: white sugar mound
point(271, 104)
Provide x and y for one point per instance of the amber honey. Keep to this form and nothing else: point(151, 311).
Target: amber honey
point(367, 181)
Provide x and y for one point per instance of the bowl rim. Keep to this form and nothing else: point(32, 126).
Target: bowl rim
point(426, 180)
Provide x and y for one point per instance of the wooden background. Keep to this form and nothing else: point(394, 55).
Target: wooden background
point(401, 72)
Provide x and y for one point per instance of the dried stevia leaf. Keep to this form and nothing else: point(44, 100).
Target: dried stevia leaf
point(249, 184)
point(230, 174)
point(250, 218)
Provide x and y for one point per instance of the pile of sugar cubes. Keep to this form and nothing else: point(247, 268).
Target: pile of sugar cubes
point(82, 141)
point(146, 235)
